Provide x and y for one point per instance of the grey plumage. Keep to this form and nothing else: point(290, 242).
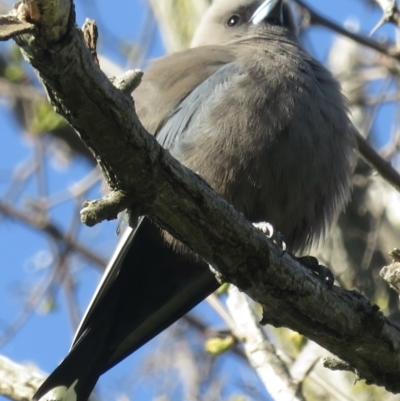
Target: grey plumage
point(266, 126)
point(262, 121)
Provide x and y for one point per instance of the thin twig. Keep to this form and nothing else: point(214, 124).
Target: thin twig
point(51, 229)
point(383, 167)
point(315, 18)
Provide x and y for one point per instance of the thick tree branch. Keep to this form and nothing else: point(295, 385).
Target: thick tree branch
point(134, 163)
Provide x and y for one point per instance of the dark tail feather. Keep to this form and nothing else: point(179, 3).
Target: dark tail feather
point(157, 286)
point(150, 287)
point(76, 376)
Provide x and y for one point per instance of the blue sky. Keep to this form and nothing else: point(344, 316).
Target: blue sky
point(26, 258)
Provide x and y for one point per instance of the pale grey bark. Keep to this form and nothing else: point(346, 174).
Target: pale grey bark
point(18, 382)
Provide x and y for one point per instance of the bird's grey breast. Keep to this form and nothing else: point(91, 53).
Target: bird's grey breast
point(305, 140)
point(265, 131)
point(263, 122)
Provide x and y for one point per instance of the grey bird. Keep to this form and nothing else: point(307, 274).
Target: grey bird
point(266, 126)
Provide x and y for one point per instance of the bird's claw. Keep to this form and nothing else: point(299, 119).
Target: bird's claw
point(311, 263)
point(276, 236)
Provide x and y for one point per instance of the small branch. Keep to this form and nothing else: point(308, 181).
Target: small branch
point(128, 81)
point(391, 273)
point(337, 364)
point(305, 362)
point(34, 299)
point(271, 370)
point(106, 208)
point(18, 382)
point(36, 221)
point(90, 35)
point(383, 167)
point(315, 18)
point(391, 13)
point(11, 26)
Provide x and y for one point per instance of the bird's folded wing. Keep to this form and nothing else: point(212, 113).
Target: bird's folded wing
point(180, 119)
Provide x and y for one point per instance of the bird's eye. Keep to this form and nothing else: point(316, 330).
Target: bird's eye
point(233, 20)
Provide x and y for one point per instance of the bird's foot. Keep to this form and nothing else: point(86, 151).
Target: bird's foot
point(310, 262)
point(276, 236)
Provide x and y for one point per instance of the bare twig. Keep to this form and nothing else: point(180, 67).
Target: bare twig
point(18, 382)
point(36, 221)
point(29, 307)
point(390, 14)
point(383, 167)
point(315, 18)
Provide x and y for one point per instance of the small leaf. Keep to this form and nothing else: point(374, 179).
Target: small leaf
point(217, 345)
point(223, 289)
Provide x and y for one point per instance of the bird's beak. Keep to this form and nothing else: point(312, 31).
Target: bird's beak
point(269, 9)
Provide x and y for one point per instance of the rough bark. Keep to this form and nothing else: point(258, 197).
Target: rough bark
point(145, 175)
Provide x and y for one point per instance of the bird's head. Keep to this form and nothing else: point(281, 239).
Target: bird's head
point(227, 20)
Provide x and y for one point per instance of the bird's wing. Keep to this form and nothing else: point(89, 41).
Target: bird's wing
point(189, 108)
point(169, 80)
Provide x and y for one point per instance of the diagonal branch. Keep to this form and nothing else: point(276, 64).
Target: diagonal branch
point(261, 354)
point(38, 222)
point(315, 18)
point(181, 202)
point(18, 382)
point(390, 11)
